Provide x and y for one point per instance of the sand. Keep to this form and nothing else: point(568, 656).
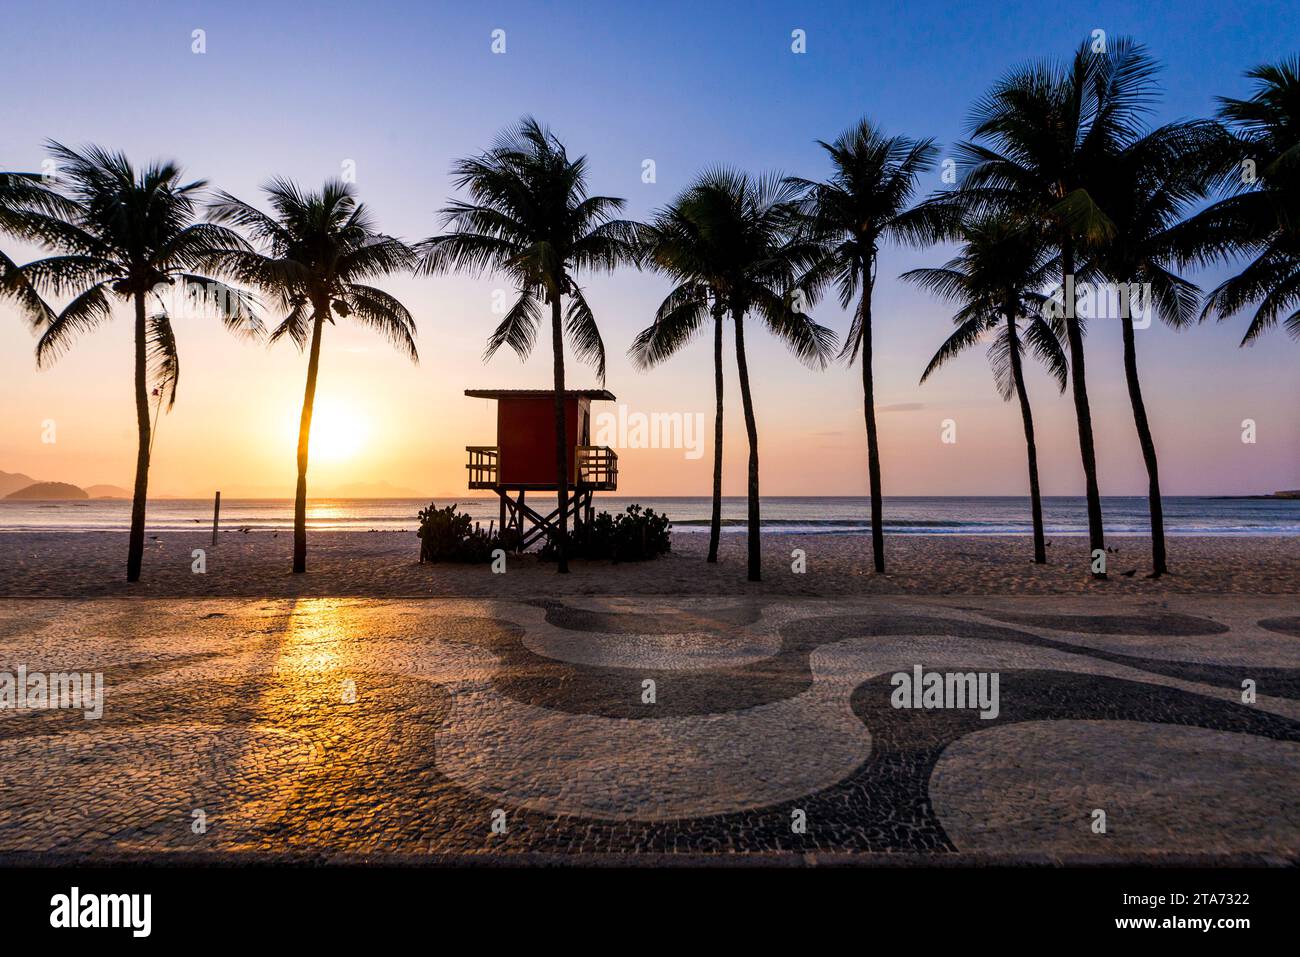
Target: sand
point(384, 564)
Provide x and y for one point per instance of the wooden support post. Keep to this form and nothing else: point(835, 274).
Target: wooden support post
point(216, 516)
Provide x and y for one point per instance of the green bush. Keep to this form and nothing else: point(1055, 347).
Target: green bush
point(450, 536)
point(636, 535)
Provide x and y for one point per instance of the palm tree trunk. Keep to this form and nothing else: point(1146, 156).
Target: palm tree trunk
point(1082, 412)
point(1158, 564)
point(304, 441)
point(1035, 500)
point(561, 457)
point(873, 439)
point(135, 545)
point(715, 522)
point(755, 543)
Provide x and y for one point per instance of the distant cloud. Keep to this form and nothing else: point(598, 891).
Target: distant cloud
point(901, 407)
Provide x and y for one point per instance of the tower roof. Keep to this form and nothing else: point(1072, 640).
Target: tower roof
point(603, 395)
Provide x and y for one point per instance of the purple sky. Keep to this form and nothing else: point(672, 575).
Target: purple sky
point(401, 89)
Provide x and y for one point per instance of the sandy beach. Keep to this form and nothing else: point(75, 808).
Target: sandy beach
point(384, 564)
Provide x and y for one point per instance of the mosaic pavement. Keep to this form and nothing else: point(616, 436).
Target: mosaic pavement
point(591, 729)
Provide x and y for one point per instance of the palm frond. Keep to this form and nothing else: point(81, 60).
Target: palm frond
point(812, 344)
point(583, 333)
point(82, 314)
point(383, 313)
point(164, 364)
point(296, 326)
point(965, 336)
point(999, 358)
point(1046, 344)
point(236, 308)
point(680, 316)
point(17, 287)
point(518, 329)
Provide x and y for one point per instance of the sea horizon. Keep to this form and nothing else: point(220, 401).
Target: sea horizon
point(786, 514)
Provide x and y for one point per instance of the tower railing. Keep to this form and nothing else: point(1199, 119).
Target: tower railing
point(596, 467)
point(484, 465)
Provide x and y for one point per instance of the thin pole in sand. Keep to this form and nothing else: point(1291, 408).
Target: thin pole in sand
point(216, 515)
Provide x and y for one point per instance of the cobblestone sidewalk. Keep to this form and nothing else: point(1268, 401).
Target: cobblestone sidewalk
point(588, 730)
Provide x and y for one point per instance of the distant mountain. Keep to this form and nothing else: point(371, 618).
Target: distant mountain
point(47, 492)
point(107, 491)
point(13, 481)
point(1281, 493)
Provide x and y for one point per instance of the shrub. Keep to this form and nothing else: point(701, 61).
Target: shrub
point(450, 536)
point(636, 535)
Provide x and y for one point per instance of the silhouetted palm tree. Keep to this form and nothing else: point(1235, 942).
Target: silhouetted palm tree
point(865, 203)
point(673, 244)
point(747, 230)
point(1145, 190)
point(529, 216)
point(315, 253)
point(1049, 128)
point(120, 232)
point(1263, 221)
point(997, 278)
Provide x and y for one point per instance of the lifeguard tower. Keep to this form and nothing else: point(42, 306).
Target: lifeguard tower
point(523, 460)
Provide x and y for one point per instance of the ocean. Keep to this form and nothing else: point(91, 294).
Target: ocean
point(1124, 515)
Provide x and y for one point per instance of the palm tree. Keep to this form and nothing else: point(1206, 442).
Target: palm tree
point(529, 216)
point(865, 203)
point(1144, 191)
point(1048, 128)
point(673, 243)
point(747, 231)
point(1262, 221)
point(316, 252)
point(121, 234)
point(995, 278)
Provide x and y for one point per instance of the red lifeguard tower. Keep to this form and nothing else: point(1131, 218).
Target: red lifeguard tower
point(523, 460)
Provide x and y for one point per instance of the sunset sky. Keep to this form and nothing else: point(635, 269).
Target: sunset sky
point(688, 85)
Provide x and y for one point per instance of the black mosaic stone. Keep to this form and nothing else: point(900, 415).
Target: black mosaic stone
point(1161, 623)
point(1280, 682)
point(1283, 626)
point(723, 619)
point(615, 692)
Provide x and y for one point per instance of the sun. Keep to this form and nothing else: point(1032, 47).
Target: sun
point(338, 432)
